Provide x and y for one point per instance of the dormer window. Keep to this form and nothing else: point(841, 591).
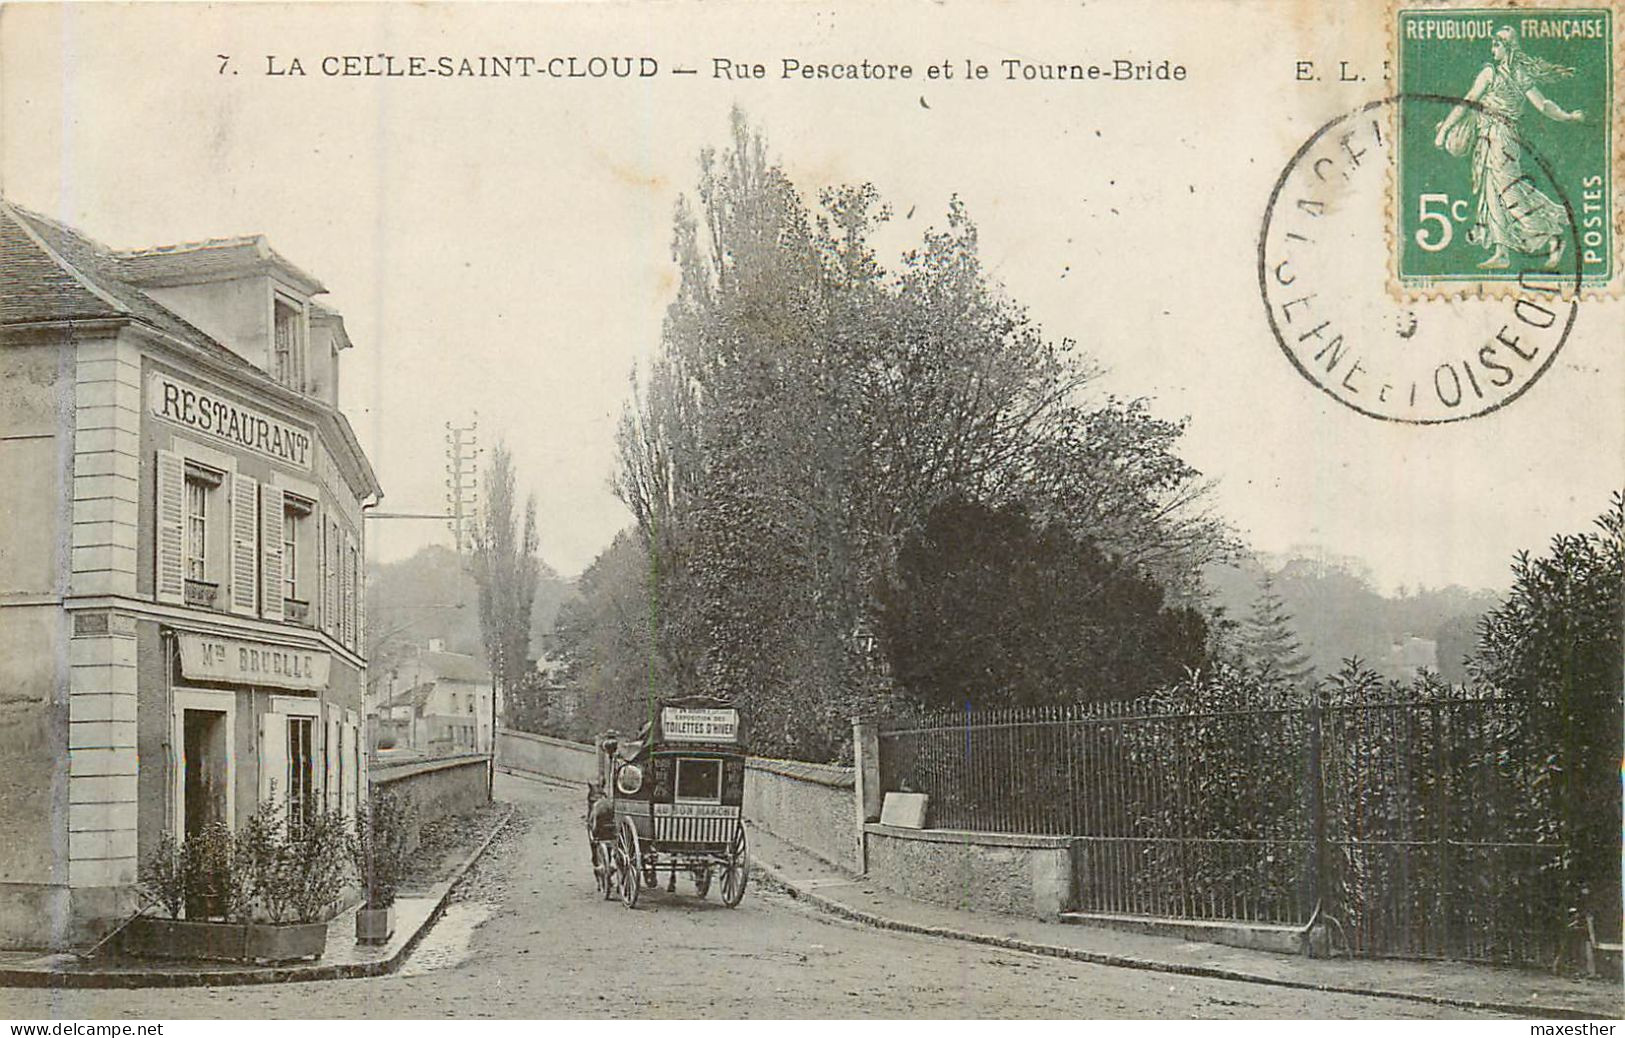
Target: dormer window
point(288, 356)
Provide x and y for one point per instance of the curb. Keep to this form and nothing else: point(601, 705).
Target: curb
point(776, 879)
point(18, 978)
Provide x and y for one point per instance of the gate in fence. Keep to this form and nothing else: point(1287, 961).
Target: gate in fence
point(1420, 827)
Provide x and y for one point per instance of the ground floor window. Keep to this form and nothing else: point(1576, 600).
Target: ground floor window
point(302, 794)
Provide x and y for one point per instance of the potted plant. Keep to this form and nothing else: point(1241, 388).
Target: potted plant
point(199, 889)
point(295, 873)
point(263, 894)
point(378, 850)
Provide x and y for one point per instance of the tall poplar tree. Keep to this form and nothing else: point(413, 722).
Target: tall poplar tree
point(506, 571)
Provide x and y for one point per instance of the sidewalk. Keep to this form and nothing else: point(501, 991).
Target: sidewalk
point(343, 959)
point(1522, 993)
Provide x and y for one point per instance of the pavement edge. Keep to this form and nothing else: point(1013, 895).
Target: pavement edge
point(777, 880)
point(23, 978)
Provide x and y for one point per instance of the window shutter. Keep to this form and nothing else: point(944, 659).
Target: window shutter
point(271, 575)
point(244, 544)
point(352, 764)
point(348, 570)
point(274, 759)
point(361, 594)
point(169, 578)
point(330, 586)
point(331, 749)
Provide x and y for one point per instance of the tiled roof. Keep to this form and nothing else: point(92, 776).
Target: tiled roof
point(52, 273)
point(36, 286)
point(204, 260)
point(455, 666)
point(413, 697)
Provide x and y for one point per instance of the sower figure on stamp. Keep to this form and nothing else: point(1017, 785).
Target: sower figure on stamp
point(1513, 214)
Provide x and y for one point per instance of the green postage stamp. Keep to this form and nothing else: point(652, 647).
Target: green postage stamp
point(1506, 147)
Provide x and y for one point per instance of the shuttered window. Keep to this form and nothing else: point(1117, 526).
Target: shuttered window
point(274, 555)
point(349, 590)
point(330, 589)
point(274, 758)
point(333, 757)
point(351, 748)
point(361, 598)
point(245, 560)
point(169, 562)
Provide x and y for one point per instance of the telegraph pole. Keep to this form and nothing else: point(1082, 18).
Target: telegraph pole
point(462, 479)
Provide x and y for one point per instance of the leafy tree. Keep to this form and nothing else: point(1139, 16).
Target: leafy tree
point(992, 609)
point(1556, 642)
point(506, 572)
point(1557, 635)
point(1267, 642)
point(604, 636)
point(809, 407)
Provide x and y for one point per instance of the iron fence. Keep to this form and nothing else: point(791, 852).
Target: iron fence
point(1420, 827)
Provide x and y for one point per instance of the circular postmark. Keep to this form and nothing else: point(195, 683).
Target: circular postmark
point(1325, 256)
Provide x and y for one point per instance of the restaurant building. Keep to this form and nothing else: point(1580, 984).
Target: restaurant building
point(181, 546)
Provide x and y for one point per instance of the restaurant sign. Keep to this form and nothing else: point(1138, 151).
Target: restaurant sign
point(207, 657)
point(206, 412)
point(687, 724)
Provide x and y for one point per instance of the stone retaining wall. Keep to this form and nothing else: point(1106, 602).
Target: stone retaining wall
point(434, 789)
point(545, 755)
point(809, 805)
point(981, 872)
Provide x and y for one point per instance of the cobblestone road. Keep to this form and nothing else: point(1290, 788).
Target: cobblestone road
point(529, 937)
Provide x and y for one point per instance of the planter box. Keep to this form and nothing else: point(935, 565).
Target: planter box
point(374, 925)
point(227, 942)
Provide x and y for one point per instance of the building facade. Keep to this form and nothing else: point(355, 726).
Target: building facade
point(438, 702)
point(181, 545)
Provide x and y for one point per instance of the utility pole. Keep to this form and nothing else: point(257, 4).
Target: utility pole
point(462, 478)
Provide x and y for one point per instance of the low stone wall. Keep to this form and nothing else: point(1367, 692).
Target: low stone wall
point(544, 755)
point(813, 806)
point(809, 805)
point(982, 872)
point(434, 789)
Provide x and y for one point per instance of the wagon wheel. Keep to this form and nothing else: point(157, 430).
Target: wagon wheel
point(629, 863)
point(702, 880)
point(737, 870)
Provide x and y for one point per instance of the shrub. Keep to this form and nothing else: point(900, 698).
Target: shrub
point(315, 865)
point(378, 847)
point(215, 885)
point(162, 879)
point(262, 861)
point(291, 874)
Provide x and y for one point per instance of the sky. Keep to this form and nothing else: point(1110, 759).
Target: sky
point(502, 246)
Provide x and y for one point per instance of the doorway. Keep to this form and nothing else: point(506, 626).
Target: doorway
point(203, 784)
point(203, 768)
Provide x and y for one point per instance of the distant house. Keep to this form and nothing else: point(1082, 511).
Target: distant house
point(1411, 655)
point(438, 701)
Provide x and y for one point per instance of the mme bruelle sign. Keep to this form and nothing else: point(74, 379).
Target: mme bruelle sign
point(206, 412)
point(205, 657)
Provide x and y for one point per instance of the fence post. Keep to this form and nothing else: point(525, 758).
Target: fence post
point(1441, 813)
point(1317, 822)
point(868, 795)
